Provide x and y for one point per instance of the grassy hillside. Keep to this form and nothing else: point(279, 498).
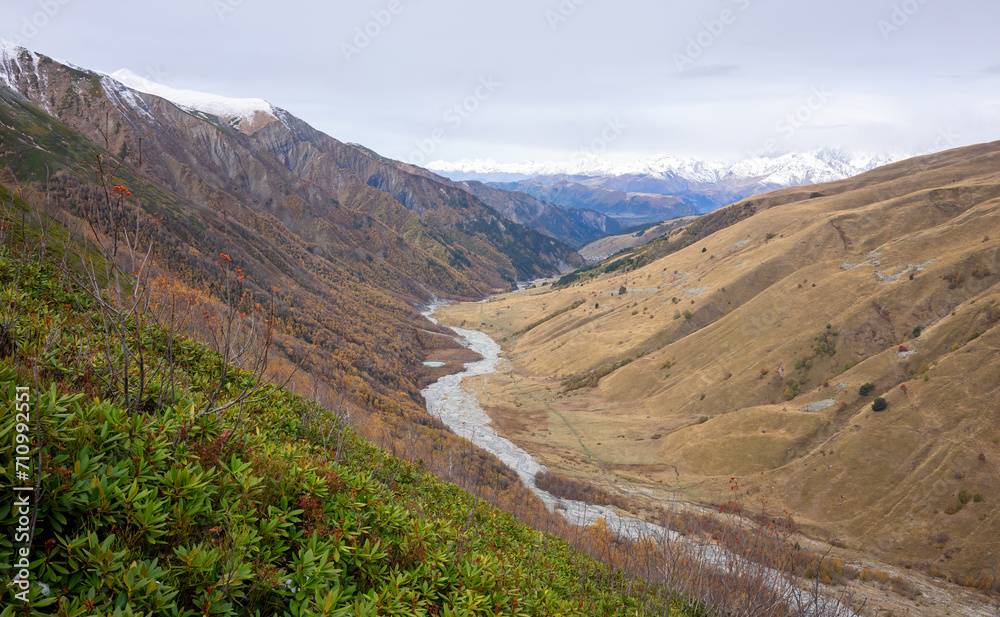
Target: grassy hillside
point(740, 345)
point(166, 493)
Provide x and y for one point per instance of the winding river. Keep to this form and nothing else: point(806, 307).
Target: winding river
point(459, 408)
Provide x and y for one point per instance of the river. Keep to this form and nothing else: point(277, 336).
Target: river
point(460, 410)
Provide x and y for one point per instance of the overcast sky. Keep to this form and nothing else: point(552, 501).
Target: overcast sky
point(515, 80)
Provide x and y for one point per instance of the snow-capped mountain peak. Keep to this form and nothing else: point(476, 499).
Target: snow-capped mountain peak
point(225, 108)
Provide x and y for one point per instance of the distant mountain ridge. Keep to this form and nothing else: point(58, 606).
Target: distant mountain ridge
point(795, 168)
point(703, 185)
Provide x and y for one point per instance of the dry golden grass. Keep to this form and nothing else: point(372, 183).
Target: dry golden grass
point(758, 306)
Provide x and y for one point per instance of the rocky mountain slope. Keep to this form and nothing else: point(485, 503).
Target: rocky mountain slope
point(257, 154)
point(577, 226)
point(741, 345)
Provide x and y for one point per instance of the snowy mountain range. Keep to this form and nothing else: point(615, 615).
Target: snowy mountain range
point(791, 169)
point(704, 185)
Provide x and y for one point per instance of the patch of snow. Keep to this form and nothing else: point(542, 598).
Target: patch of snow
point(221, 106)
point(696, 292)
point(10, 57)
point(740, 243)
point(905, 355)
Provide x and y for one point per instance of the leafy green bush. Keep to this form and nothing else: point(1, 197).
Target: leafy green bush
point(880, 404)
point(866, 389)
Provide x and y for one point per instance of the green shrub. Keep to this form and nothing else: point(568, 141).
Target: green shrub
point(866, 389)
point(977, 498)
point(880, 404)
point(963, 496)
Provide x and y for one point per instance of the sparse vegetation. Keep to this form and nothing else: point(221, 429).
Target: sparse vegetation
point(955, 279)
point(550, 317)
point(592, 378)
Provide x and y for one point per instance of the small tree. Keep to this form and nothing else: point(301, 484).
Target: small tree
point(866, 389)
point(879, 404)
point(622, 290)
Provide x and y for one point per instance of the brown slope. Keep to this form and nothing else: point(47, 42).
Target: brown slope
point(759, 305)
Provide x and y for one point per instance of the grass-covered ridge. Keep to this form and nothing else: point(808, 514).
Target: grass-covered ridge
point(270, 508)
